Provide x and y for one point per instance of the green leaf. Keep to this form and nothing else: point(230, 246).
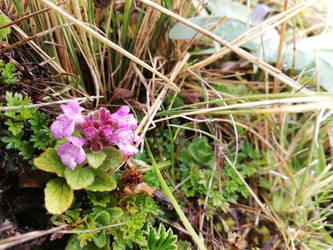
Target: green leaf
point(58, 196)
point(95, 159)
point(103, 182)
point(4, 32)
point(74, 244)
point(14, 127)
point(99, 199)
point(160, 240)
point(49, 161)
point(79, 178)
point(113, 158)
point(41, 137)
point(17, 100)
point(115, 212)
point(102, 219)
point(100, 239)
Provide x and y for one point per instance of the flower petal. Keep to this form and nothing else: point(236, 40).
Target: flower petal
point(76, 141)
point(70, 154)
point(66, 154)
point(62, 127)
point(123, 119)
point(73, 111)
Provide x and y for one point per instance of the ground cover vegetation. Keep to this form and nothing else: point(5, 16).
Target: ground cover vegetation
point(166, 124)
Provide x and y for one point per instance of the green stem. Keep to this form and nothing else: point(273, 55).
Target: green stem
point(173, 201)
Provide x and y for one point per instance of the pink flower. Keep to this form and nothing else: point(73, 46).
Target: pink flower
point(65, 124)
point(72, 153)
point(102, 130)
point(123, 119)
point(124, 139)
point(73, 111)
point(99, 129)
point(96, 129)
point(62, 127)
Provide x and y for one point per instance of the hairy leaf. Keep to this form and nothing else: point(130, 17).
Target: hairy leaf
point(103, 182)
point(49, 161)
point(79, 177)
point(58, 196)
point(95, 159)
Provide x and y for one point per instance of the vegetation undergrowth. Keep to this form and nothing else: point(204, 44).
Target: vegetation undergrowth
point(129, 129)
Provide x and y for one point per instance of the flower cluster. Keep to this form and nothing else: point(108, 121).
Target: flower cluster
point(98, 129)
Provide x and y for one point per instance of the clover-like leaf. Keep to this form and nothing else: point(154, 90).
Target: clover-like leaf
point(49, 161)
point(103, 182)
point(58, 196)
point(79, 177)
point(113, 158)
point(95, 159)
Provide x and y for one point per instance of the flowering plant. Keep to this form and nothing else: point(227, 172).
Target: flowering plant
point(87, 152)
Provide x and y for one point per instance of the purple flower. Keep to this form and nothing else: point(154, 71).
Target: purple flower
point(124, 139)
point(99, 129)
point(96, 129)
point(72, 153)
point(123, 119)
point(65, 123)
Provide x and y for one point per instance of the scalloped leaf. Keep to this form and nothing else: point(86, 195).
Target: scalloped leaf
point(49, 161)
point(113, 158)
point(103, 182)
point(79, 177)
point(58, 196)
point(95, 159)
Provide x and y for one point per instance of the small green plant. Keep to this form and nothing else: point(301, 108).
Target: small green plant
point(7, 72)
point(4, 32)
point(18, 137)
point(15, 118)
point(132, 214)
point(197, 159)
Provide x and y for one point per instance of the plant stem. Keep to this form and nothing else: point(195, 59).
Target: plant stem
point(173, 201)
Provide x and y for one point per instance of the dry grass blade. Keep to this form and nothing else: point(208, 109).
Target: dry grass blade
point(43, 33)
point(255, 32)
point(112, 45)
point(317, 102)
point(37, 49)
point(148, 118)
point(80, 99)
point(16, 240)
point(242, 53)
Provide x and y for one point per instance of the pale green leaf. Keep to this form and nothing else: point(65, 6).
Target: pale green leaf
point(4, 32)
point(49, 161)
point(95, 159)
point(79, 177)
point(58, 196)
point(113, 158)
point(103, 182)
